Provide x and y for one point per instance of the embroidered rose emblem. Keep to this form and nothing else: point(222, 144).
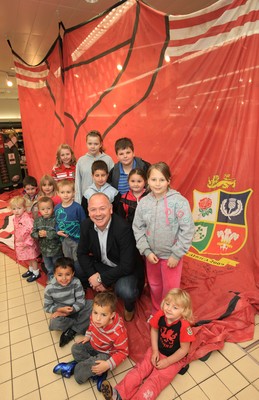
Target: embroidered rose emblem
point(205, 206)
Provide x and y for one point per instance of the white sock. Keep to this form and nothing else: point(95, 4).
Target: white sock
point(30, 268)
point(36, 272)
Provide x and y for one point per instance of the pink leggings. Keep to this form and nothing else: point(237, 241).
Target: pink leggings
point(161, 279)
point(133, 386)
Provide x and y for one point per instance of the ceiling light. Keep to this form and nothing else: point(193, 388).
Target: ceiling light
point(91, 1)
point(8, 79)
point(9, 82)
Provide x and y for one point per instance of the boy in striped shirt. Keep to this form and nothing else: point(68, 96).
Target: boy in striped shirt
point(105, 344)
point(64, 299)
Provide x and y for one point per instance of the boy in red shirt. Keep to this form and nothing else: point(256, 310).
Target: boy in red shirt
point(105, 345)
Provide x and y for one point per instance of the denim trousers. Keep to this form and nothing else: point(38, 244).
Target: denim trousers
point(49, 263)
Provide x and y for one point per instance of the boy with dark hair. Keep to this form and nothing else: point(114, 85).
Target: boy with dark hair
point(44, 230)
point(118, 176)
point(65, 299)
point(100, 175)
point(31, 190)
point(105, 345)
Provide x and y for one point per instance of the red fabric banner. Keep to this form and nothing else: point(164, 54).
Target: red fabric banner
point(185, 89)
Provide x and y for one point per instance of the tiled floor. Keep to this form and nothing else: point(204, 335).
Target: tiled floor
point(28, 353)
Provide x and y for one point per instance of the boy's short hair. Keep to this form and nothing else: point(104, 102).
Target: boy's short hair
point(123, 143)
point(104, 299)
point(99, 164)
point(45, 199)
point(66, 182)
point(29, 180)
point(64, 262)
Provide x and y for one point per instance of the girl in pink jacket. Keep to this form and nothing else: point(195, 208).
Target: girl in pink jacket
point(26, 248)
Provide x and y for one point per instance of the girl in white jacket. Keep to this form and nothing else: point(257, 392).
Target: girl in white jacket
point(163, 229)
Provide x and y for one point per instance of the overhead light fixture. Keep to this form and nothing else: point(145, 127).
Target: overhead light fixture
point(8, 78)
point(9, 82)
point(91, 1)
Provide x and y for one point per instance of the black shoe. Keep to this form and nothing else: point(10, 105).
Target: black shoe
point(33, 278)
point(66, 337)
point(184, 370)
point(205, 358)
point(27, 274)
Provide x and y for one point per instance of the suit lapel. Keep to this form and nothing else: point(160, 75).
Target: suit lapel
point(95, 242)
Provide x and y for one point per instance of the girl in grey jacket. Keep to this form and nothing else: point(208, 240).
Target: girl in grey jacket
point(163, 229)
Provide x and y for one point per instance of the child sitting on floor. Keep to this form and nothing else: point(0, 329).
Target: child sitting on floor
point(64, 298)
point(171, 336)
point(105, 345)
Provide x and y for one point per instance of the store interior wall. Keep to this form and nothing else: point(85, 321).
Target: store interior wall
point(9, 110)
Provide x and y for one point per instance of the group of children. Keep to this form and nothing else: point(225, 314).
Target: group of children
point(47, 222)
point(105, 342)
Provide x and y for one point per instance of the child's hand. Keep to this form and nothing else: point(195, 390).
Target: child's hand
point(155, 357)
point(62, 233)
point(100, 367)
point(172, 262)
point(63, 311)
point(152, 258)
point(57, 314)
point(67, 309)
point(161, 364)
point(83, 341)
point(42, 233)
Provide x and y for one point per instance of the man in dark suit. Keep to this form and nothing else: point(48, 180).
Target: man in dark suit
point(107, 254)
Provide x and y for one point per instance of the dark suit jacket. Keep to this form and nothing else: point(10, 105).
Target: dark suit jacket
point(121, 250)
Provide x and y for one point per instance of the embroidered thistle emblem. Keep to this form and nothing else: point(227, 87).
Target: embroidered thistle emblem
point(231, 207)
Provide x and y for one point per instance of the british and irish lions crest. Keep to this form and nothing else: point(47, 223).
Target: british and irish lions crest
point(220, 221)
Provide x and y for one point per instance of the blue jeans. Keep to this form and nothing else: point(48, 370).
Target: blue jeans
point(49, 263)
point(127, 289)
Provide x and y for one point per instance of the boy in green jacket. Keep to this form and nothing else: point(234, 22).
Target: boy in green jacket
point(44, 230)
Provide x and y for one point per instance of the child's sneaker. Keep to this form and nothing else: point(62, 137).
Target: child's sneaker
point(65, 369)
